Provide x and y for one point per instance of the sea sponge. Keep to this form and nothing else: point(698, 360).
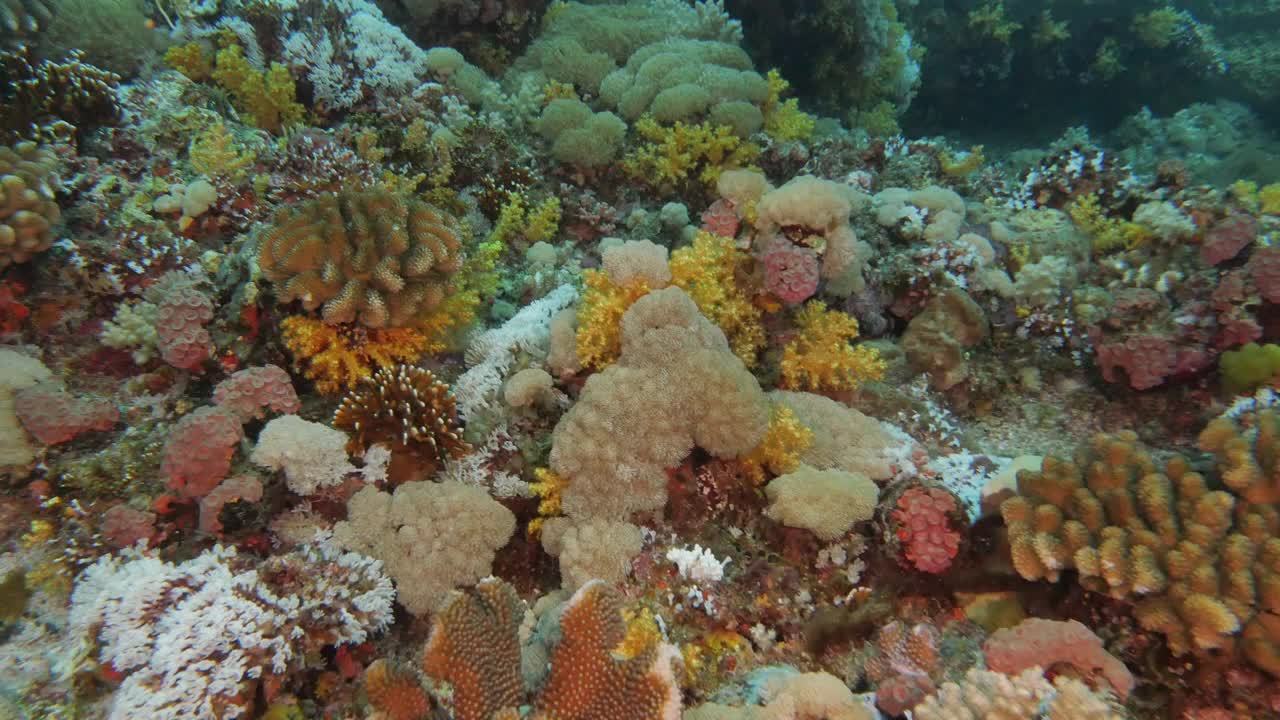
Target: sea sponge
point(1037, 641)
point(430, 537)
point(825, 502)
point(17, 372)
point(676, 385)
point(936, 338)
point(369, 255)
point(28, 211)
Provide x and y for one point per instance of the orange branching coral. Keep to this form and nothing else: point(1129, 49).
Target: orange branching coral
point(373, 255)
point(475, 647)
point(708, 271)
point(601, 668)
point(600, 311)
point(337, 357)
point(1199, 564)
point(1249, 461)
point(821, 356)
point(588, 680)
point(395, 693)
point(409, 411)
point(779, 452)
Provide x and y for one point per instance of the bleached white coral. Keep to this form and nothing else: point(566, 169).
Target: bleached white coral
point(312, 455)
point(492, 353)
point(698, 564)
point(194, 639)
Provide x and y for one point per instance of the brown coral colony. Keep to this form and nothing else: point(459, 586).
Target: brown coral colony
point(406, 408)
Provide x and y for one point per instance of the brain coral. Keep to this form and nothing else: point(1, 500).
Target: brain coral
point(27, 208)
point(369, 255)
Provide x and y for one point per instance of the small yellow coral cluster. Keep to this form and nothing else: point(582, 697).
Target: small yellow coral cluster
point(783, 119)
point(1108, 234)
point(516, 219)
point(1201, 564)
point(779, 452)
point(671, 156)
point(603, 302)
point(268, 98)
point(821, 357)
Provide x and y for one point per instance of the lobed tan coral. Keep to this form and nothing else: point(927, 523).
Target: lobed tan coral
point(431, 537)
point(677, 385)
point(593, 550)
point(986, 695)
point(1200, 564)
point(936, 340)
point(371, 255)
point(28, 210)
point(826, 502)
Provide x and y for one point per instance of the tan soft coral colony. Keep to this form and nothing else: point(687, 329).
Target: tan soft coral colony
point(369, 255)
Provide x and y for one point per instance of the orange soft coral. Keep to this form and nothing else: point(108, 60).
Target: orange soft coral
point(337, 357)
point(821, 358)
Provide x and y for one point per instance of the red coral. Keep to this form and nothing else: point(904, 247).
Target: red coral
point(901, 693)
point(241, 487)
point(1226, 239)
point(252, 391)
point(923, 516)
point(123, 526)
point(721, 219)
point(1045, 643)
point(1264, 267)
point(1149, 361)
point(180, 333)
point(54, 416)
point(198, 452)
point(791, 273)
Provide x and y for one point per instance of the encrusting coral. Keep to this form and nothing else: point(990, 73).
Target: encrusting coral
point(597, 670)
point(1199, 564)
point(372, 256)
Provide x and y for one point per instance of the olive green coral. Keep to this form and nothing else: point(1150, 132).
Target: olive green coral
point(28, 211)
point(1199, 564)
point(372, 255)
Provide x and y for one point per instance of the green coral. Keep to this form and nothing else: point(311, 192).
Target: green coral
point(1249, 367)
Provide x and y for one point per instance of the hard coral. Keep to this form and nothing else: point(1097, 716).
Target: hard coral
point(821, 356)
point(180, 334)
point(28, 210)
point(52, 100)
point(1199, 564)
point(54, 416)
point(198, 452)
point(249, 393)
point(474, 646)
point(924, 518)
point(408, 410)
point(337, 357)
point(374, 256)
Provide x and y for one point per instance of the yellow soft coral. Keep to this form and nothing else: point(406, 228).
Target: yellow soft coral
point(515, 219)
point(708, 271)
point(191, 60)
point(599, 336)
point(784, 120)
point(821, 358)
point(337, 357)
point(215, 153)
point(779, 452)
point(1269, 199)
point(671, 156)
point(548, 486)
point(1108, 234)
point(268, 98)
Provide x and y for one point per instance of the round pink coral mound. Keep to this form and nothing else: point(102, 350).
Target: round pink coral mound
point(198, 453)
point(52, 415)
point(1045, 643)
point(721, 219)
point(1264, 267)
point(252, 391)
point(241, 487)
point(924, 528)
point(180, 333)
point(791, 273)
point(124, 526)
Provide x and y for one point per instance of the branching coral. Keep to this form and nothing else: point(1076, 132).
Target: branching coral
point(337, 357)
point(52, 100)
point(597, 670)
point(1200, 564)
point(821, 356)
point(368, 255)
